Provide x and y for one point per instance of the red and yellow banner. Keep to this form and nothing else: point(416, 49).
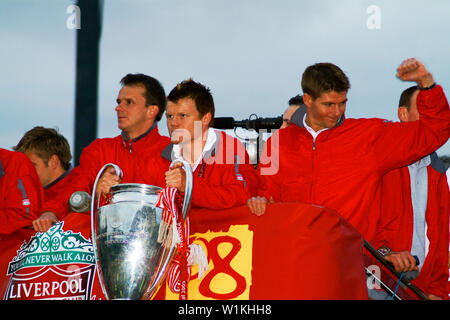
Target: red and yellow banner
point(293, 251)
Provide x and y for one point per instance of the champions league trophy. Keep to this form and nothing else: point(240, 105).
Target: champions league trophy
point(132, 243)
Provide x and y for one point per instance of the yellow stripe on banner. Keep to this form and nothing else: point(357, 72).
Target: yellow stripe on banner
point(230, 266)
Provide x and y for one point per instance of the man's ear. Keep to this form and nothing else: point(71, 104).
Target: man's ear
point(54, 161)
point(402, 114)
point(307, 99)
point(152, 111)
point(206, 119)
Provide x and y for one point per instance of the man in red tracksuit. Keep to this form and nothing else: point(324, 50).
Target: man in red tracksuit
point(21, 193)
point(415, 215)
point(223, 176)
point(141, 103)
point(49, 151)
point(222, 172)
point(337, 163)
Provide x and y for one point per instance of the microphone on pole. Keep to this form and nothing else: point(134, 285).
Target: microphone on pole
point(224, 123)
point(255, 124)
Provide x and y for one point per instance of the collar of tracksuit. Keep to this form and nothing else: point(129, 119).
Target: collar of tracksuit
point(299, 114)
point(126, 140)
point(59, 178)
point(208, 151)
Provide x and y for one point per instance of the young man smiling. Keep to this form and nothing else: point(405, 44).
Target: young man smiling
point(338, 163)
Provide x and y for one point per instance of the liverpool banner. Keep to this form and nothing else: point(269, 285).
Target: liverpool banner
point(293, 251)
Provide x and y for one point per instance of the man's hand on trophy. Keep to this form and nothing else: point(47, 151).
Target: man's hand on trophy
point(176, 177)
point(45, 221)
point(257, 205)
point(108, 179)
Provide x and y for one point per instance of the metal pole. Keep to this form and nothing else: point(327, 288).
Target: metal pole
point(87, 61)
point(389, 266)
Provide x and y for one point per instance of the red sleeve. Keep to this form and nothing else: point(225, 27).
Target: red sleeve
point(151, 170)
point(228, 179)
point(250, 177)
point(268, 169)
point(395, 206)
point(400, 144)
point(21, 193)
point(244, 167)
point(221, 189)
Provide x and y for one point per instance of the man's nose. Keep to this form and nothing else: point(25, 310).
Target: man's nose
point(336, 111)
point(120, 106)
point(174, 122)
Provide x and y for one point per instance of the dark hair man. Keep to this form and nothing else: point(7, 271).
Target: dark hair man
point(140, 103)
point(415, 215)
point(223, 175)
point(338, 163)
point(294, 103)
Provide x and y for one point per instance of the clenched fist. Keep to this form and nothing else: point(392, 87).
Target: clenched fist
point(414, 70)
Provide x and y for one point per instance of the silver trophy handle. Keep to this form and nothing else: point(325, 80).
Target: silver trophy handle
point(94, 207)
point(189, 184)
point(94, 189)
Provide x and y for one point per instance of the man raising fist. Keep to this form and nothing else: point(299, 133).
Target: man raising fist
point(331, 161)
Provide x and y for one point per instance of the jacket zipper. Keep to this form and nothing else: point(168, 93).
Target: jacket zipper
point(313, 171)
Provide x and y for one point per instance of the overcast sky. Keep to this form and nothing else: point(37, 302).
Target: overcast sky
point(250, 53)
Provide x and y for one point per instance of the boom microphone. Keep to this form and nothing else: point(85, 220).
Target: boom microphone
point(224, 123)
point(256, 124)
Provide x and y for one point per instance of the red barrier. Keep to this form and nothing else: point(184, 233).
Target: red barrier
point(294, 251)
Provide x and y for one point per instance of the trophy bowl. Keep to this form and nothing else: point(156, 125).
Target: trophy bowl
point(132, 243)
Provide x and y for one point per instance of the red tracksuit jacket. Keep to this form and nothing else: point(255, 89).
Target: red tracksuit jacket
point(395, 228)
point(224, 178)
point(342, 169)
point(51, 189)
point(21, 193)
point(120, 151)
